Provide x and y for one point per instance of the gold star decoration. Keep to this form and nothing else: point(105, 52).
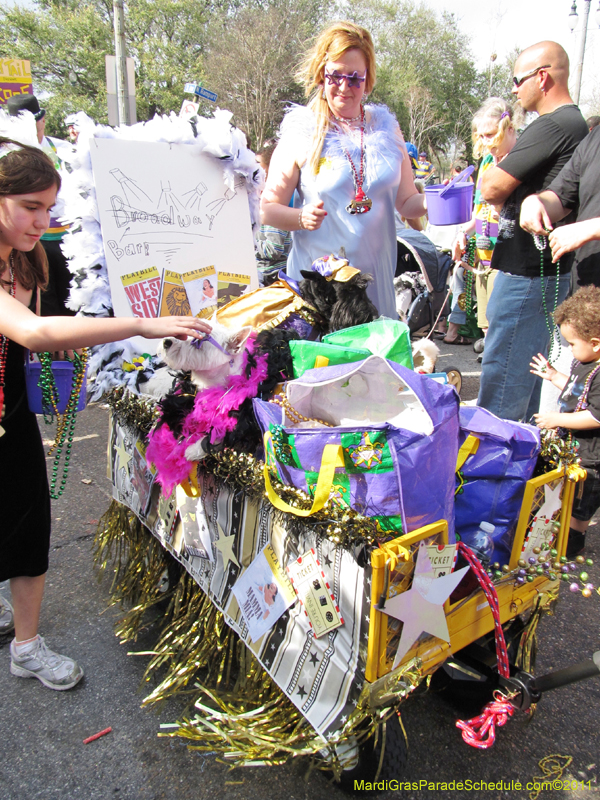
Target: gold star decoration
point(123, 457)
point(225, 545)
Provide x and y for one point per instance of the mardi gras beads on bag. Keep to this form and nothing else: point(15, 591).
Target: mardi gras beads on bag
point(65, 428)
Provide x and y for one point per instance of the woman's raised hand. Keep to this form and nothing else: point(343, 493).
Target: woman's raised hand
point(312, 216)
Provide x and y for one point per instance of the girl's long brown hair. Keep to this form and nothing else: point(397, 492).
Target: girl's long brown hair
point(25, 171)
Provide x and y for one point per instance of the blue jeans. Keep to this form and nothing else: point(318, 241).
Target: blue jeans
point(518, 331)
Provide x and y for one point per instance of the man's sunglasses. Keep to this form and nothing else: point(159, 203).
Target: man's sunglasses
point(518, 81)
point(335, 78)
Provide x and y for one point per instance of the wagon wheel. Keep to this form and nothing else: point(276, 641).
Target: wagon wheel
point(454, 377)
point(365, 765)
point(472, 684)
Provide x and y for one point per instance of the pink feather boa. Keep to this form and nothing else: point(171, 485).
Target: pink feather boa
point(211, 415)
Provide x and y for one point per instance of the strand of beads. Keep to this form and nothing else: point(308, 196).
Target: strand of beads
point(48, 386)
point(581, 582)
point(295, 416)
point(470, 259)
point(542, 562)
point(547, 564)
point(65, 429)
point(541, 243)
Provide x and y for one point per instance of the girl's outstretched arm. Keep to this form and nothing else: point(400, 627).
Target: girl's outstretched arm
point(69, 333)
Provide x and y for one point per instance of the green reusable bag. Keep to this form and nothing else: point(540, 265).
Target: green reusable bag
point(308, 355)
point(388, 338)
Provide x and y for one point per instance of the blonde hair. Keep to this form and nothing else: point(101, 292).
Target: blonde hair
point(497, 110)
point(331, 45)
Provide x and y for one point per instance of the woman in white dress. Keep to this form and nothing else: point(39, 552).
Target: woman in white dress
point(348, 163)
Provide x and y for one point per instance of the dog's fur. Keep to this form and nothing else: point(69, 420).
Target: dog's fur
point(425, 353)
point(341, 304)
point(193, 424)
point(207, 364)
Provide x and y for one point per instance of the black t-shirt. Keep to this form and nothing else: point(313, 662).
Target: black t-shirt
point(540, 153)
point(578, 184)
point(589, 440)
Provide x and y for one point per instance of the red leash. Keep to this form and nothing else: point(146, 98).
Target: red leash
point(481, 731)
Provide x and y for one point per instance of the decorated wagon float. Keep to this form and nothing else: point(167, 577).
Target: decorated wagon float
point(324, 529)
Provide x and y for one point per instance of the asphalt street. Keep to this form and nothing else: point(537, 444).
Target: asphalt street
point(44, 758)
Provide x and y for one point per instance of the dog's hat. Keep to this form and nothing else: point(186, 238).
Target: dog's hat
point(24, 102)
point(333, 269)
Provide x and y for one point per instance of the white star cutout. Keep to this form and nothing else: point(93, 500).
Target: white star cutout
point(421, 607)
point(551, 501)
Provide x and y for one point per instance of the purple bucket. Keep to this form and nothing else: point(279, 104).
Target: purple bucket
point(454, 207)
point(63, 375)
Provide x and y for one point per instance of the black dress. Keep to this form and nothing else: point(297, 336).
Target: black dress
point(24, 495)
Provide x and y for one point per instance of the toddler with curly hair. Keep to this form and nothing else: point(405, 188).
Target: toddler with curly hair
point(579, 400)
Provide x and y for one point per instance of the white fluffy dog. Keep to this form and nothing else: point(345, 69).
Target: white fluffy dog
point(425, 353)
point(209, 365)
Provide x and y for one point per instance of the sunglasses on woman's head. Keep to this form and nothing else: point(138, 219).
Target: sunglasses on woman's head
point(335, 78)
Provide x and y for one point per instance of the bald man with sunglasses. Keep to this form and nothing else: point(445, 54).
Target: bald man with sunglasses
point(528, 284)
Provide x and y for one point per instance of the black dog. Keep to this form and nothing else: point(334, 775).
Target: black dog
point(341, 304)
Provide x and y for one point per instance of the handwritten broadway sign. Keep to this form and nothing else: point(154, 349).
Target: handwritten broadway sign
point(15, 78)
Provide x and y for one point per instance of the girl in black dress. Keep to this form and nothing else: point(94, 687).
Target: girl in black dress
point(28, 187)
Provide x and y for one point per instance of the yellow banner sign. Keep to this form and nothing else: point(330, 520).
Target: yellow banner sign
point(15, 70)
point(15, 78)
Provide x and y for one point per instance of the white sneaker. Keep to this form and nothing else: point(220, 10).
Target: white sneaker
point(7, 620)
point(53, 670)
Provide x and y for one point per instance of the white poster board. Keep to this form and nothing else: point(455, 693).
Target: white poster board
point(166, 207)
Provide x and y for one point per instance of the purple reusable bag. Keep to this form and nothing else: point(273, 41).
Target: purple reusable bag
point(424, 462)
point(494, 477)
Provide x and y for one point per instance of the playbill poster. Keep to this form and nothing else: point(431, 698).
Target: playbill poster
point(177, 240)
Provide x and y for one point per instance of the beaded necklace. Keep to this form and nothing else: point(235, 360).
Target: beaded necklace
point(582, 403)
point(346, 120)
point(541, 243)
point(295, 416)
point(65, 427)
point(4, 342)
point(483, 239)
point(360, 204)
point(471, 248)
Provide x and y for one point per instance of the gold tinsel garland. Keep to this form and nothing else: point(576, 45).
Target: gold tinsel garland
point(138, 562)
point(526, 651)
point(195, 639)
point(339, 523)
point(243, 713)
point(558, 452)
point(133, 411)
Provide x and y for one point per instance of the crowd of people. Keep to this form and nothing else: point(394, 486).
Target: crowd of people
point(337, 176)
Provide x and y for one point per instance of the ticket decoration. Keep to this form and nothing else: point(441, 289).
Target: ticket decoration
point(443, 558)
point(143, 289)
point(310, 584)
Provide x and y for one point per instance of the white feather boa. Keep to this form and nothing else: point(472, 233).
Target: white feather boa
point(381, 135)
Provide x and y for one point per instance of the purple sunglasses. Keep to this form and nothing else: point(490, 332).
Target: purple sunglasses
point(335, 78)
